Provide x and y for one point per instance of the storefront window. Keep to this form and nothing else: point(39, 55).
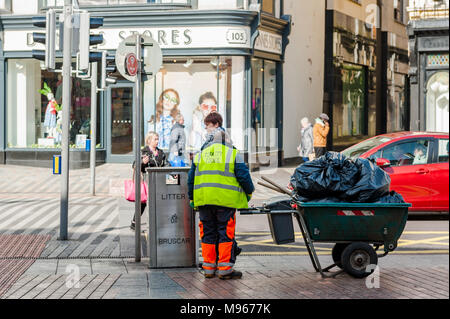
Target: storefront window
point(187, 90)
point(372, 101)
point(34, 102)
point(437, 112)
point(121, 120)
point(349, 115)
point(396, 103)
point(263, 115)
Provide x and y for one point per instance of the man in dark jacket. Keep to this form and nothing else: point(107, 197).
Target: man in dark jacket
point(219, 183)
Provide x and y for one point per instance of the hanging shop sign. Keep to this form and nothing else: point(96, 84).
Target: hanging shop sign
point(269, 42)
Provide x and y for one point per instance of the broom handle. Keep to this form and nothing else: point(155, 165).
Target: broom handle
point(269, 186)
point(282, 189)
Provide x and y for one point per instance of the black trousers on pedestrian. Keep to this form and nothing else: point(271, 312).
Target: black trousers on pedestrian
point(319, 151)
point(143, 205)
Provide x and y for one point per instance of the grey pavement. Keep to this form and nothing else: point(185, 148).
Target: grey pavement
point(97, 260)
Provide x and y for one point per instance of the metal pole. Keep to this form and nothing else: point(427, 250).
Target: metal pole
point(137, 149)
point(94, 79)
point(66, 105)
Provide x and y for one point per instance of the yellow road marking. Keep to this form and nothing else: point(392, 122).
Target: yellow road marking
point(245, 243)
point(300, 234)
point(425, 232)
point(430, 241)
point(294, 253)
point(423, 241)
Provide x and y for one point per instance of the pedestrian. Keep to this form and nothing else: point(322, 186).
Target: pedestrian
point(219, 183)
point(177, 146)
point(151, 156)
point(320, 133)
point(306, 147)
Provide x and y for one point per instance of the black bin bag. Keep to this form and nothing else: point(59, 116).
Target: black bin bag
point(337, 178)
point(330, 175)
point(373, 183)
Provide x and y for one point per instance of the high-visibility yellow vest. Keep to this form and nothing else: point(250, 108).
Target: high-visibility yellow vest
point(215, 182)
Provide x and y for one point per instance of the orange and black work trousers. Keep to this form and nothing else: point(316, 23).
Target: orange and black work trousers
point(217, 229)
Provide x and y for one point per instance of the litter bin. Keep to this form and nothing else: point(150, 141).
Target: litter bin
point(172, 240)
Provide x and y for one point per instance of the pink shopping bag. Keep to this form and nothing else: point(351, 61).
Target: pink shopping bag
point(130, 193)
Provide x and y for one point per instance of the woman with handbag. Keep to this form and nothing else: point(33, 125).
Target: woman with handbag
point(152, 156)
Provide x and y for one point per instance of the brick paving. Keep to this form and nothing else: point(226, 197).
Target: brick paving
point(393, 284)
point(124, 279)
point(56, 287)
point(17, 253)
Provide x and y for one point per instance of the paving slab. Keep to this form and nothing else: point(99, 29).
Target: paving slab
point(43, 266)
point(108, 266)
point(82, 266)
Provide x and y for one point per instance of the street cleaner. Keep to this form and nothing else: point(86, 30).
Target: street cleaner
point(219, 183)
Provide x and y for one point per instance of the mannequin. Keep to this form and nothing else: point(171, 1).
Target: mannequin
point(52, 115)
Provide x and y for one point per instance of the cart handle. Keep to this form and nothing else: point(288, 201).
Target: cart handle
point(265, 211)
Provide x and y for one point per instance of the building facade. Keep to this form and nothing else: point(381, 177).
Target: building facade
point(366, 70)
point(428, 32)
point(223, 55)
point(262, 64)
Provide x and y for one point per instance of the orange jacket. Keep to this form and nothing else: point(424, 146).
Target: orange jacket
point(320, 133)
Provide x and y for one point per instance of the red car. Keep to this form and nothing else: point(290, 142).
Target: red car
point(417, 163)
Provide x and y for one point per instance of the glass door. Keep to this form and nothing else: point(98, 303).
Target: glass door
point(120, 123)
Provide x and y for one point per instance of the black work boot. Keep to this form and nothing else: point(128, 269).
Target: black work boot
point(202, 271)
point(233, 275)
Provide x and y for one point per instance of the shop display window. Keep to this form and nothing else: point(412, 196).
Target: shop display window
point(34, 107)
point(349, 114)
point(437, 103)
point(187, 90)
point(263, 105)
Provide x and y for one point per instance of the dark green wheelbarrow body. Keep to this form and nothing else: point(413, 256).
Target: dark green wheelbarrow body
point(378, 224)
point(352, 227)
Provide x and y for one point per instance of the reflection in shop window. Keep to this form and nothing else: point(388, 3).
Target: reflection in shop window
point(349, 115)
point(437, 107)
point(34, 98)
point(263, 115)
point(194, 87)
point(396, 103)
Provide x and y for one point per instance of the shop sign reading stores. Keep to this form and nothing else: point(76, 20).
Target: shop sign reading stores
point(269, 42)
point(167, 38)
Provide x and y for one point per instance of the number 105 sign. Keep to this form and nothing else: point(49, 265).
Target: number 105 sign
point(237, 36)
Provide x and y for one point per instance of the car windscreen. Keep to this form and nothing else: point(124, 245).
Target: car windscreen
point(365, 146)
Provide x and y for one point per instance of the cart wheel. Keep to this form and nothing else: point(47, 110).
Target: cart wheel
point(336, 253)
point(357, 257)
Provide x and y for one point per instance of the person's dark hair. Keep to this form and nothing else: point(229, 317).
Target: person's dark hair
point(214, 118)
point(207, 96)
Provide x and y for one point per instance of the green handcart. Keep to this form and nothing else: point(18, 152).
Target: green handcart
point(358, 230)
